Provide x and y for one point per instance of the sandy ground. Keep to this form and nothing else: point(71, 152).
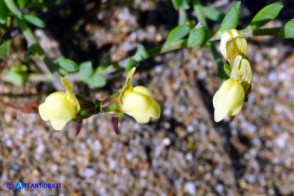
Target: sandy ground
point(184, 152)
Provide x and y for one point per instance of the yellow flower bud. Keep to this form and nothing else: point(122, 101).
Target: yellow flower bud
point(60, 107)
point(241, 71)
point(228, 100)
point(232, 44)
point(137, 101)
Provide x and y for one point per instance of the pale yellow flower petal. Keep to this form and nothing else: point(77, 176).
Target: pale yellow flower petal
point(228, 100)
point(138, 103)
point(233, 44)
point(241, 71)
point(67, 85)
point(58, 108)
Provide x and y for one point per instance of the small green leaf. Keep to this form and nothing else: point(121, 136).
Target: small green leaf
point(131, 63)
point(3, 12)
point(196, 37)
point(86, 70)
point(227, 69)
point(96, 81)
point(2, 32)
point(231, 19)
point(177, 3)
point(4, 49)
point(287, 31)
point(141, 53)
point(32, 50)
point(18, 74)
point(178, 33)
point(266, 14)
point(212, 13)
point(105, 62)
point(186, 4)
point(34, 20)
point(67, 64)
point(21, 3)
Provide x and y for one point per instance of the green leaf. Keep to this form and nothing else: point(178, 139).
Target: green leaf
point(186, 4)
point(266, 14)
point(287, 31)
point(212, 13)
point(4, 49)
point(21, 3)
point(96, 81)
point(227, 69)
point(86, 70)
point(231, 19)
point(67, 64)
point(2, 32)
point(34, 20)
point(196, 37)
point(3, 12)
point(105, 62)
point(18, 74)
point(177, 3)
point(131, 63)
point(141, 53)
point(178, 33)
point(32, 50)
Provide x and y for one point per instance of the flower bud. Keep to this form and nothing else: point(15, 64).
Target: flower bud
point(60, 107)
point(232, 44)
point(228, 100)
point(137, 101)
point(241, 71)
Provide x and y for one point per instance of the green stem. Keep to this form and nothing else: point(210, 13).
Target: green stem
point(249, 32)
point(27, 32)
point(167, 47)
point(46, 65)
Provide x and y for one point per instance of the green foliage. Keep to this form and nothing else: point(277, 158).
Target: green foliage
point(18, 74)
point(4, 49)
point(67, 64)
point(90, 76)
point(266, 14)
point(181, 3)
point(34, 20)
point(18, 13)
point(38, 5)
point(86, 70)
point(196, 37)
point(21, 3)
point(131, 63)
point(141, 53)
point(178, 33)
point(96, 81)
point(104, 63)
point(227, 69)
point(231, 19)
point(287, 31)
point(3, 12)
point(212, 13)
point(32, 51)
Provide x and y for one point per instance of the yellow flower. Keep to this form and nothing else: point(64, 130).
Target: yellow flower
point(137, 101)
point(60, 107)
point(228, 100)
point(241, 71)
point(232, 44)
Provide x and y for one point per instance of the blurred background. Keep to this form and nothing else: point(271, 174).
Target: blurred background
point(184, 152)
